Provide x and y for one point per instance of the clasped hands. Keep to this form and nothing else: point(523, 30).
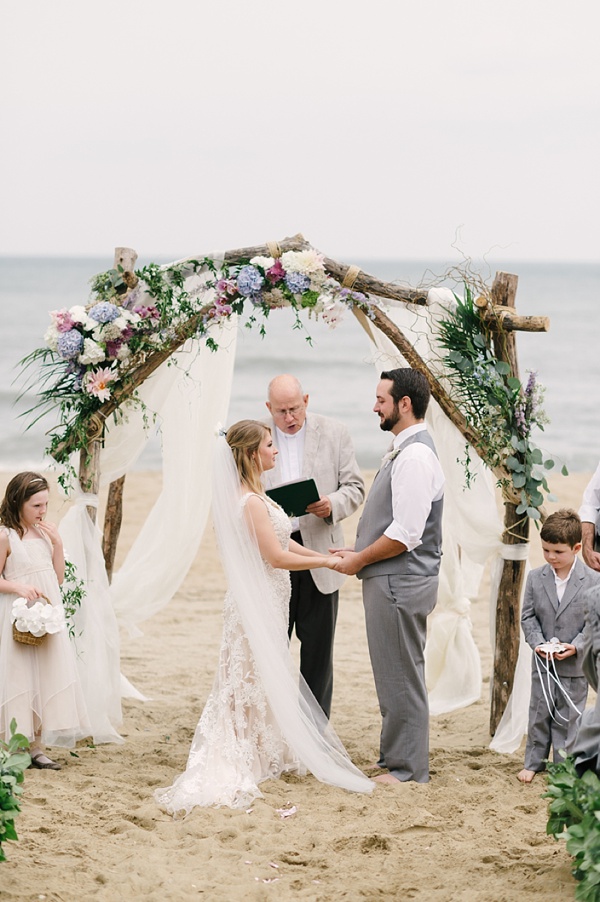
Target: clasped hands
point(345, 560)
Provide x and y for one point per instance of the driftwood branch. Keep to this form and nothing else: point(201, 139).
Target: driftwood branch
point(516, 531)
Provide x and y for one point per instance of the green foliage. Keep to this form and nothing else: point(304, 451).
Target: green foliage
point(502, 411)
point(14, 760)
point(72, 593)
point(574, 813)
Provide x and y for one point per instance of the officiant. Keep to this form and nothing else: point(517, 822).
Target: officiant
point(318, 447)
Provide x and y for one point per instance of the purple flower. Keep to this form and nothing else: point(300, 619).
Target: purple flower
point(297, 282)
point(276, 273)
point(146, 312)
point(226, 286)
point(69, 344)
point(104, 312)
point(113, 348)
point(249, 281)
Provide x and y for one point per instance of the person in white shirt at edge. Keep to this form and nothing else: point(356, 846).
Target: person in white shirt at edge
point(311, 445)
point(589, 514)
point(397, 556)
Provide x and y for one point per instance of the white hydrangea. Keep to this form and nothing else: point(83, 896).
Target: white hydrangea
point(92, 352)
point(79, 314)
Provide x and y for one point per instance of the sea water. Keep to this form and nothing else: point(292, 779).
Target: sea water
point(335, 366)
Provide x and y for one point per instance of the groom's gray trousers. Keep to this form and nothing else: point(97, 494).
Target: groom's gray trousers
point(396, 611)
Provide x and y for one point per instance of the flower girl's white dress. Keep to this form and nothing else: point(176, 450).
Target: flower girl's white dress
point(38, 684)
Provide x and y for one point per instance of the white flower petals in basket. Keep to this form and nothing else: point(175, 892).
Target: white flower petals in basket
point(31, 624)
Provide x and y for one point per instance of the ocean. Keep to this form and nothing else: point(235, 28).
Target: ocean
point(334, 366)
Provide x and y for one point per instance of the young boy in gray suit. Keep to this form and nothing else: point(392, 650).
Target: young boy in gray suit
point(554, 609)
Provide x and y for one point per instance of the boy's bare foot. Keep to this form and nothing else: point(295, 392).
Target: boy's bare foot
point(526, 776)
point(386, 778)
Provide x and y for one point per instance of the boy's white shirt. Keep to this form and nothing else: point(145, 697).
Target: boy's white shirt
point(561, 584)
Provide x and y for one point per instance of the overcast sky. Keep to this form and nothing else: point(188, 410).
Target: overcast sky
point(377, 129)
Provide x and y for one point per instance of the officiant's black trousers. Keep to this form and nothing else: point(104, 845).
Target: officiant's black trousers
point(314, 616)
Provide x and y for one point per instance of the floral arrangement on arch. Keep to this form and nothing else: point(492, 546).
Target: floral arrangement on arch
point(503, 411)
point(297, 279)
point(92, 350)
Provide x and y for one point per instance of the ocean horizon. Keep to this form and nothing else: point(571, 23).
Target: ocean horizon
point(334, 366)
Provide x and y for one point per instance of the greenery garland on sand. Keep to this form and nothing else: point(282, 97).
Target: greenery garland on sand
point(501, 410)
point(93, 351)
point(574, 814)
point(14, 760)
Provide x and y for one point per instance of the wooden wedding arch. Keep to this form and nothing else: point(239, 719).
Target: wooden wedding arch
point(497, 311)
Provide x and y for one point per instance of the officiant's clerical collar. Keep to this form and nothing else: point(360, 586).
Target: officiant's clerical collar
point(285, 436)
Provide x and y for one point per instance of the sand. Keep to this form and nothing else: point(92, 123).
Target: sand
point(93, 831)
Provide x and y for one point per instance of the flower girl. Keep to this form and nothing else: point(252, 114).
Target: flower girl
point(39, 684)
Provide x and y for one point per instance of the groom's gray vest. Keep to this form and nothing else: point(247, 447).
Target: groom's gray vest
point(378, 514)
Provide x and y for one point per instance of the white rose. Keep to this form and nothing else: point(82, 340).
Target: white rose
point(123, 353)
point(51, 337)
point(265, 262)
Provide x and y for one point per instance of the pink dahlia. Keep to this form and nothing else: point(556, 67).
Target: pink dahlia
point(96, 382)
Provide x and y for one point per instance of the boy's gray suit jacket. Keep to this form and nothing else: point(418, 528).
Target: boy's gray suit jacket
point(543, 617)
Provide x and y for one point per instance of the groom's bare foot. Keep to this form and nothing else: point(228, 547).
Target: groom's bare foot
point(526, 776)
point(386, 778)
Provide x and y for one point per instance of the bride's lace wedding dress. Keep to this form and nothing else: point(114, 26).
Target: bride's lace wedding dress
point(260, 719)
point(238, 742)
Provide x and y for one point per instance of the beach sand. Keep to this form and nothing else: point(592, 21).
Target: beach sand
point(93, 831)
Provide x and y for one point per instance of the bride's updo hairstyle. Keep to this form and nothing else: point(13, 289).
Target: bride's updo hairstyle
point(18, 491)
point(244, 438)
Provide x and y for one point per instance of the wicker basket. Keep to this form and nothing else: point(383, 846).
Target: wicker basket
point(29, 638)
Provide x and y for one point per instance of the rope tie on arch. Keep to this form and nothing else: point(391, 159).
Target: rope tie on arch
point(351, 276)
point(95, 428)
point(274, 249)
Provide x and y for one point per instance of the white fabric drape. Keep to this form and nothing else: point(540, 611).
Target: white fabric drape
point(96, 630)
point(188, 395)
point(163, 551)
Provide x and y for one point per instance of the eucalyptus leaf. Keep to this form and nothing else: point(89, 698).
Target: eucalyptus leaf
point(502, 368)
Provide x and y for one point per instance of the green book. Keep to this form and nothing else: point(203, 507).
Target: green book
point(295, 496)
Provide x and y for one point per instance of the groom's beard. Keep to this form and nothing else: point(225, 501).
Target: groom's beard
point(388, 423)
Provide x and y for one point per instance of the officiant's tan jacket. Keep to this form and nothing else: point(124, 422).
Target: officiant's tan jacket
point(329, 460)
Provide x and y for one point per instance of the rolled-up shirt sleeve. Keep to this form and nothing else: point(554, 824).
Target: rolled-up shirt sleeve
point(417, 481)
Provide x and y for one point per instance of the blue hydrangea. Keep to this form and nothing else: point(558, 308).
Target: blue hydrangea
point(70, 344)
point(249, 281)
point(297, 282)
point(104, 312)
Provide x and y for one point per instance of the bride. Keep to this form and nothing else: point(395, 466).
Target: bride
point(260, 719)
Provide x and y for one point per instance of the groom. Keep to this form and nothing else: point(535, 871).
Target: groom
point(397, 557)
